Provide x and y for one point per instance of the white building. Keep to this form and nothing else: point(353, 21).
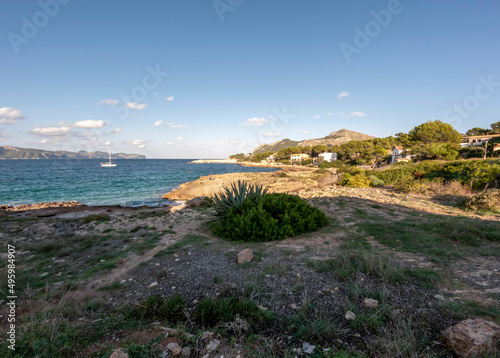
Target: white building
point(328, 157)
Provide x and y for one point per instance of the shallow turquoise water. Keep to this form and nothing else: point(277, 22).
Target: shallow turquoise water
point(132, 182)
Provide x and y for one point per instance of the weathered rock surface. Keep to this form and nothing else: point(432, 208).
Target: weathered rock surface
point(175, 349)
point(472, 337)
point(370, 303)
point(245, 256)
point(118, 353)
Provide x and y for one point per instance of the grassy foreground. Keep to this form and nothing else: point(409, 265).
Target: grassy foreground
point(82, 281)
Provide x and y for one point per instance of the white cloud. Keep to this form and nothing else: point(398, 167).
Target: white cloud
point(343, 94)
point(316, 117)
point(358, 114)
point(170, 143)
point(268, 134)
point(9, 115)
point(171, 98)
point(116, 130)
point(178, 139)
point(222, 143)
point(3, 135)
point(139, 143)
point(169, 124)
point(109, 101)
point(305, 132)
point(155, 134)
point(255, 121)
point(50, 131)
point(134, 105)
point(341, 114)
point(107, 143)
point(44, 141)
point(90, 123)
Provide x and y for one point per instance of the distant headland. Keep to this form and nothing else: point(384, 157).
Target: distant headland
point(8, 152)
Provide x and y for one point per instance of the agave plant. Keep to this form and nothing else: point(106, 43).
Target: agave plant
point(233, 197)
point(172, 309)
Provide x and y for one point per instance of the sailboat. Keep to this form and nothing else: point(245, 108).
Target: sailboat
point(108, 164)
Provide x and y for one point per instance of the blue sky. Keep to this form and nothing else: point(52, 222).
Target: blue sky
point(206, 79)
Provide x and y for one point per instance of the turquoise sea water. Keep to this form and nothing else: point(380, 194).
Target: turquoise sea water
point(131, 183)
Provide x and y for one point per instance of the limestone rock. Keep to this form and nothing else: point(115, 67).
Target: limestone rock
point(369, 302)
point(153, 284)
point(471, 337)
point(308, 348)
point(245, 256)
point(197, 201)
point(213, 345)
point(350, 316)
point(175, 349)
point(186, 352)
point(118, 353)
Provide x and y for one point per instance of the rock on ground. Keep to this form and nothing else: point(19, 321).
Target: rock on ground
point(245, 256)
point(118, 353)
point(472, 337)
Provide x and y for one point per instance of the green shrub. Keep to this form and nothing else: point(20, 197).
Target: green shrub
point(355, 181)
point(170, 309)
point(282, 175)
point(307, 161)
point(488, 200)
point(376, 181)
point(276, 217)
point(210, 312)
point(233, 197)
point(95, 217)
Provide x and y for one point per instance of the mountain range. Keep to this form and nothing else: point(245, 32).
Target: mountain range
point(334, 138)
point(7, 152)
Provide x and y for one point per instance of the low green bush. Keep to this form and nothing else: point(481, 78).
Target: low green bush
point(95, 217)
point(376, 181)
point(488, 200)
point(170, 309)
point(275, 217)
point(355, 181)
point(210, 312)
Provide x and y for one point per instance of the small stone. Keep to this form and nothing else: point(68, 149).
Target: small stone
point(153, 284)
point(45, 274)
point(118, 353)
point(439, 297)
point(369, 302)
point(207, 335)
point(175, 349)
point(186, 352)
point(308, 348)
point(213, 345)
point(350, 316)
point(123, 281)
point(245, 256)
point(294, 306)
